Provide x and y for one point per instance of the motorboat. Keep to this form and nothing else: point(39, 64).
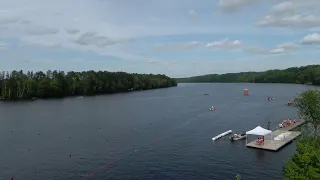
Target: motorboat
point(239, 136)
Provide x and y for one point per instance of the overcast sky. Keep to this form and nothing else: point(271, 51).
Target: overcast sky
point(173, 37)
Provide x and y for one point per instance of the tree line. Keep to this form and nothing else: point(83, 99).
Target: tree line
point(305, 163)
point(294, 75)
point(17, 85)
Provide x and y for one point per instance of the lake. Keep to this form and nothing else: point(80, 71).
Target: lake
point(155, 134)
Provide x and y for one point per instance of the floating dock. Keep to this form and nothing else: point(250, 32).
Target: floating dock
point(274, 145)
point(221, 135)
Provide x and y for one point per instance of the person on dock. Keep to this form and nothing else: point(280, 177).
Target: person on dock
point(260, 140)
point(294, 121)
point(281, 125)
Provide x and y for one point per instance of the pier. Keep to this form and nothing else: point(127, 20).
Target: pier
point(274, 145)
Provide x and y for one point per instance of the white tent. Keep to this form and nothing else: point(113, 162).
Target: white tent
point(259, 131)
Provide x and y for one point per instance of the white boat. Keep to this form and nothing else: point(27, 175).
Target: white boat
point(236, 137)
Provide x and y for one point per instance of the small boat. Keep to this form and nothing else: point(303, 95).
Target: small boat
point(291, 103)
point(271, 98)
point(206, 94)
point(236, 137)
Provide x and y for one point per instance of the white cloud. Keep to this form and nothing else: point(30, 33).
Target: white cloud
point(287, 7)
point(261, 50)
point(298, 20)
point(311, 39)
point(276, 51)
point(279, 49)
point(178, 46)
point(151, 61)
point(293, 13)
point(228, 44)
point(287, 45)
point(225, 43)
point(234, 5)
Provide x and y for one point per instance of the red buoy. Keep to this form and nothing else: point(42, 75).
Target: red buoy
point(70, 155)
point(246, 92)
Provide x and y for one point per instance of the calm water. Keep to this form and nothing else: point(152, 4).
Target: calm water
point(157, 134)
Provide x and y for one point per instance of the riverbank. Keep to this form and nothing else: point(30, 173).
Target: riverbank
point(58, 84)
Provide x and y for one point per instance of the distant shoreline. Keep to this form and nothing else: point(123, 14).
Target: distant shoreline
point(244, 83)
point(309, 75)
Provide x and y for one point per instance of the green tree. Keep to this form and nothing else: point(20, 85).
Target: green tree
point(56, 84)
point(308, 104)
point(305, 163)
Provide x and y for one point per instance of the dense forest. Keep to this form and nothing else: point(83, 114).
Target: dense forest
point(305, 163)
point(56, 84)
point(295, 75)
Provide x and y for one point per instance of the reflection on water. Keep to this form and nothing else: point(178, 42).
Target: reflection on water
point(260, 155)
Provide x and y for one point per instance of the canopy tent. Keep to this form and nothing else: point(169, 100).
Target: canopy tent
point(259, 131)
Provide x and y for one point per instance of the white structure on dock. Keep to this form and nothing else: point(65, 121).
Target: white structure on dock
point(258, 131)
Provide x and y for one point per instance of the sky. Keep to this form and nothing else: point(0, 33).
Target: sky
point(178, 38)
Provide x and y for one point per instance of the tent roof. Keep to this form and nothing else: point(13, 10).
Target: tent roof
point(259, 131)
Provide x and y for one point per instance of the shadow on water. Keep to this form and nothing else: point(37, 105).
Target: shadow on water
point(260, 155)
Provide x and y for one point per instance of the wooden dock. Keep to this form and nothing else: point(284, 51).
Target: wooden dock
point(275, 145)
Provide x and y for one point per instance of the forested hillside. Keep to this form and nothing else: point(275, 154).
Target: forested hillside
point(55, 84)
point(299, 75)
